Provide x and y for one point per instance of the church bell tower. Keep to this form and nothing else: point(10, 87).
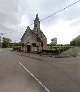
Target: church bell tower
point(36, 24)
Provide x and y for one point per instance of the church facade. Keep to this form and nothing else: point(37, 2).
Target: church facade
point(34, 40)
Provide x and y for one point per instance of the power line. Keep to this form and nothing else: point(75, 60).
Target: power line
point(56, 12)
point(61, 10)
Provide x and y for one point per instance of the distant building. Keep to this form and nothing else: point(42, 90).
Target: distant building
point(54, 41)
point(34, 40)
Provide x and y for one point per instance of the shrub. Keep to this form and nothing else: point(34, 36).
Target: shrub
point(16, 48)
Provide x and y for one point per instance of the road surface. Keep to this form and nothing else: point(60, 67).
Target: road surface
point(20, 72)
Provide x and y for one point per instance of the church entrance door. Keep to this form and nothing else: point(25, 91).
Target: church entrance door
point(28, 48)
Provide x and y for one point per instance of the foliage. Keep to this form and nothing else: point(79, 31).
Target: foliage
point(55, 50)
point(6, 42)
point(58, 46)
point(75, 42)
point(16, 46)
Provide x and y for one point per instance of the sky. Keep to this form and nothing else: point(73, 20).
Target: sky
point(16, 15)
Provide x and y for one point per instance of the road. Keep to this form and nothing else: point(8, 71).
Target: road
point(20, 72)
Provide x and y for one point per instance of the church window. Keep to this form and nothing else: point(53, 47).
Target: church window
point(36, 25)
point(34, 44)
point(41, 36)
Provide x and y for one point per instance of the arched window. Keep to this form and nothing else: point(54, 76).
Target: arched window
point(35, 25)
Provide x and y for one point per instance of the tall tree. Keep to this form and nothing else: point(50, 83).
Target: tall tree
point(6, 42)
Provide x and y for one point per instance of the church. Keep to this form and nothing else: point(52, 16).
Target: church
point(34, 40)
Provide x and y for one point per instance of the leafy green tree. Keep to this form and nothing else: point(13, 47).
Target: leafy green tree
point(76, 41)
point(6, 42)
point(72, 43)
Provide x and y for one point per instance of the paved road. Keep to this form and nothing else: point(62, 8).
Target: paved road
point(55, 74)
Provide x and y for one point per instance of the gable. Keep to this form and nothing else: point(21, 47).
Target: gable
point(33, 35)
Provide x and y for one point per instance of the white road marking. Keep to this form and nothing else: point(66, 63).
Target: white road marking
point(47, 90)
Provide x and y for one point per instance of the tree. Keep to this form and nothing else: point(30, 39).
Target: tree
point(76, 41)
point(6, 42)
point(72, 43)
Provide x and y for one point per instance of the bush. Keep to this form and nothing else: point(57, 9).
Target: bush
point(55, 51)
point(16, 48)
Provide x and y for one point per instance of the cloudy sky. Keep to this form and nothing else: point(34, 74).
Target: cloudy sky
point(16, 15)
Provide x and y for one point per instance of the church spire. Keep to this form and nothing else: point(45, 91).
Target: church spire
point(36, 24)
point(37, 16)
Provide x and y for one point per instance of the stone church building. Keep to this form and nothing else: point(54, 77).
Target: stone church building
point(34, 40)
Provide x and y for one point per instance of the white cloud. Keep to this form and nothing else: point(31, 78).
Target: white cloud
point(24, 22)
point(62, 30)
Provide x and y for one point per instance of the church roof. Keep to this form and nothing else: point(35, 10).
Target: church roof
point(38, 39)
